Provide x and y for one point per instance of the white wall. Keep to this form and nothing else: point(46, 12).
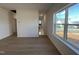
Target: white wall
point(5, 24)
point(63, 49)
point(27, 22)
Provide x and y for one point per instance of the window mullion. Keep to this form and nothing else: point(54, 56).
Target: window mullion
point(66, 24)
point(54, 22)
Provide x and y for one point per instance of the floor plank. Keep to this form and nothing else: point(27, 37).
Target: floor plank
point(27, 46)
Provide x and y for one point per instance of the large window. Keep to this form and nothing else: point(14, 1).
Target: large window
point(60, 20)
point(68, 19)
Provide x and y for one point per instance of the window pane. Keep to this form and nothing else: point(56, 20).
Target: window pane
point(73, 14)
point(60, 17)
point(60, 20)
point(73, 25)
point(73, 34)
point(60, 30)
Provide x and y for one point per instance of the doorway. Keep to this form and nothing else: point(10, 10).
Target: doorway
point(14, 22)
point(41, 24)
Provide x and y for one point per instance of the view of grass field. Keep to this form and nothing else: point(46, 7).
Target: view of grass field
point(72, 34)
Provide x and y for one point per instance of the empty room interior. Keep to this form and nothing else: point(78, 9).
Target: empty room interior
point(39, 29)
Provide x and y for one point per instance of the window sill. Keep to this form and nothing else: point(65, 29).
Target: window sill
point(68, 44)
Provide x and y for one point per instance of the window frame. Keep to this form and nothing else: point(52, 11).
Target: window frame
point(66, 20)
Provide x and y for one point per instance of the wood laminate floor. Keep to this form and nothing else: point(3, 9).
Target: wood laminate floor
point(27, 46)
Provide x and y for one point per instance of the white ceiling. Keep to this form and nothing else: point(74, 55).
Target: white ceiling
point(14, 6)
